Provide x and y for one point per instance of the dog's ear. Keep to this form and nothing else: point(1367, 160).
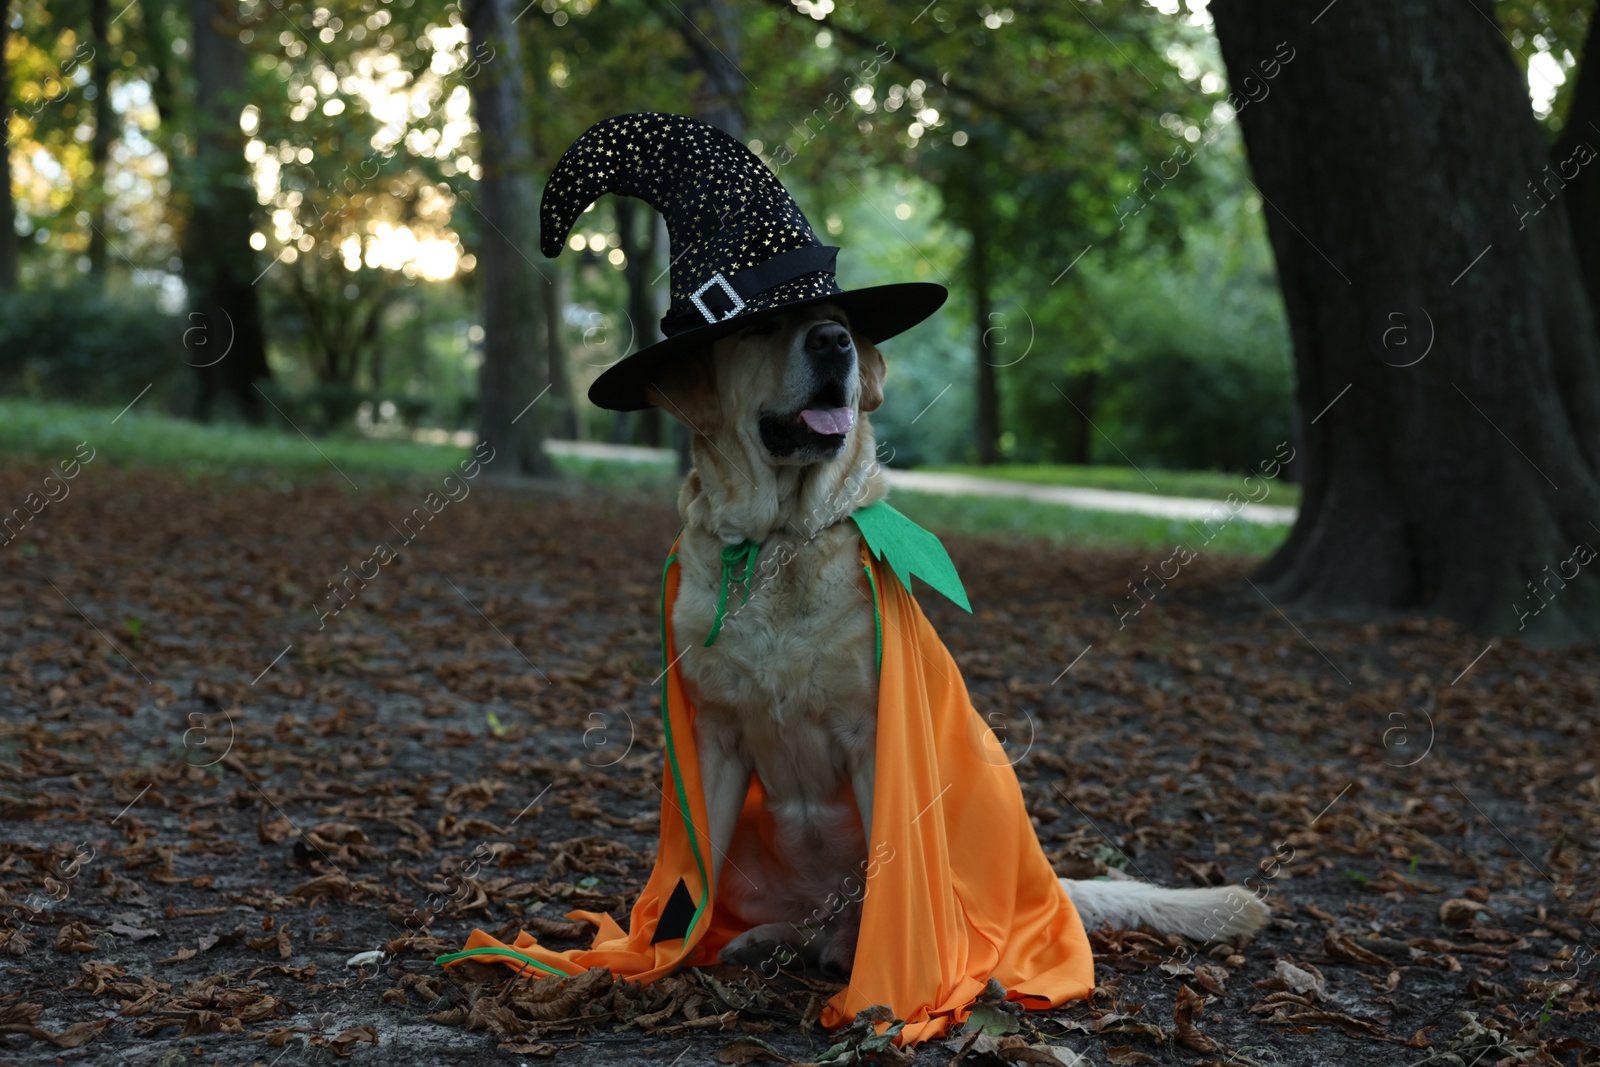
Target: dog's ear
point(871, 368)
point(686, 389)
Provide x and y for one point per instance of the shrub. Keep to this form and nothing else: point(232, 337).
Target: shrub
point(1181, 362)
point(79, 342)
point(1187, 408)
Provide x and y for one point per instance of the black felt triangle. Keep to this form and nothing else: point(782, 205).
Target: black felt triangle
point(676, 916)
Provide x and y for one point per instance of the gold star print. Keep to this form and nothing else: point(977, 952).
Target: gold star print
point(724, 209)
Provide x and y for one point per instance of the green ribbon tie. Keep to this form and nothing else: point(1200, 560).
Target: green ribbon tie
point(731, 555)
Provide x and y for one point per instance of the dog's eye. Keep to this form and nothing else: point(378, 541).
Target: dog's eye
point(761, 329)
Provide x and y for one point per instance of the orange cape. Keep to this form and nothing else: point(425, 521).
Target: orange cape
point(957, 890)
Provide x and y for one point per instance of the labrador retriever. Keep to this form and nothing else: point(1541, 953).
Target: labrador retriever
point(783, 453)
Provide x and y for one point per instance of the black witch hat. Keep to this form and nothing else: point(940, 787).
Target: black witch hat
point(741, 250)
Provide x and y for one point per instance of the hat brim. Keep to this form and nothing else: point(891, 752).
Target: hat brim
point(878, 313)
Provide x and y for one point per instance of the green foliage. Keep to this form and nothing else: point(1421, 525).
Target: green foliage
point(1180, 361)
point(417, 357)
point(893, 229)
point(1030, 122)
point(1189, 394)
point(927, 410)
point(1188, 398)
point(320, 409)
point(1545, 35)
point(1030, 125)
point(359, 201)
point(77, 341)
point(1041, 125)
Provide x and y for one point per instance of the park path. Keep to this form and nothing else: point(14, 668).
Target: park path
point(1166, 507)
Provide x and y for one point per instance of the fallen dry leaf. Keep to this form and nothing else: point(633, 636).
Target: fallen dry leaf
point(1189, 1005)
point(540, 1049)
point(344, 1044)
point(1302, 978)
point(135, 932)
point(1128, 1056)
point(747, 1050)
point(367, 800)
point(1459, 911)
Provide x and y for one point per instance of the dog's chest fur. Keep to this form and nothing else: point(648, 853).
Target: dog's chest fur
point(790, 684)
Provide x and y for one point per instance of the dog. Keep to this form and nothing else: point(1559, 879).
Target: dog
point(783, 453)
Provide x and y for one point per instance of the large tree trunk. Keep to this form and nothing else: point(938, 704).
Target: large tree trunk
point(1582, 128)
point(105, 117)
point(563, 415)
point(987, 426)
point(1393, 144)
point(632, 271)
point(712, 35)
point(8, 210)
point(653, 422)
point(513, 312)
point(219, 266)
point(1085, 388)
point(164, 87)
point(637, 225)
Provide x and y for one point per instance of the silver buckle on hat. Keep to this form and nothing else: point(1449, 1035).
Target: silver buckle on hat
point(717, 279)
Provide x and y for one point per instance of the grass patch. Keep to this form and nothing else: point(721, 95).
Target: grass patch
point(50, 431)
point(1208, 485)
point(623, 474)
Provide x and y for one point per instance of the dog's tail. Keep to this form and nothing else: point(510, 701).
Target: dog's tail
point(1216, 913)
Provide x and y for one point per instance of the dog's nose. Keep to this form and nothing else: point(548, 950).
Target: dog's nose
point(829, 344)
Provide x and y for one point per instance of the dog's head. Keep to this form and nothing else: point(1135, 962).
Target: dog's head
point(790, 386)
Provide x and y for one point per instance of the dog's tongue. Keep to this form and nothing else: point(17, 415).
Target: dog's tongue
point(829, 420)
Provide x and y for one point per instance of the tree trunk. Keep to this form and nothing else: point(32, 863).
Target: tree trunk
point(105, 118)
point(163, 87)
point(1459, 482)
point(632, 271)
point(637, 225)
point(513, 326)
point(564, 411)
point(1582, 128)
point(652, 420)
point(219, 267)
point(987, 426)
point(1084, 388)
point(712, 36)
point(634, 274)
point(8, 210)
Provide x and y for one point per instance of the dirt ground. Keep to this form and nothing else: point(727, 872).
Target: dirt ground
point(217, 808)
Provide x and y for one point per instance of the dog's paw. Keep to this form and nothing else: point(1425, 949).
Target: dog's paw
point(762, 946)
point(838, 956)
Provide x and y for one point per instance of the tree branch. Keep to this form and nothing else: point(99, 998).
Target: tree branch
point(928, 74)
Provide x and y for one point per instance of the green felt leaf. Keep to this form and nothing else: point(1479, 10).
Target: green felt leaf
point(909, 550)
